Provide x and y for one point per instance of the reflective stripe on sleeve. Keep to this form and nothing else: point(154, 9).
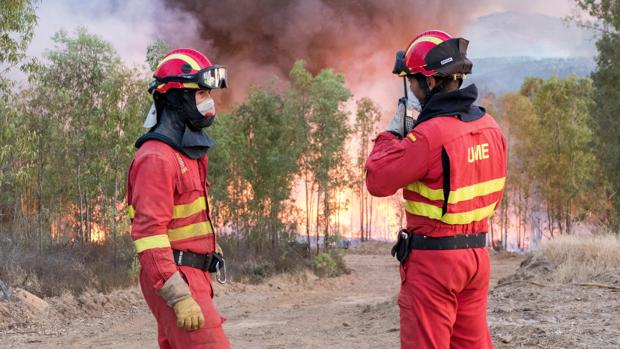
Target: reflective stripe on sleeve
point(131, 211)
point(155, 241)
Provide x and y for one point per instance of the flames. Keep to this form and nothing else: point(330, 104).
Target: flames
point(68, 226)
point(97, 234)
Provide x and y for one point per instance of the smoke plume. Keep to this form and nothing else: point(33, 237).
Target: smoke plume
point(260, 39)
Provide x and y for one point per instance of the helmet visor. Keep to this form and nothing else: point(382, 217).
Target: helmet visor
point(209, 78)
point(212, 77)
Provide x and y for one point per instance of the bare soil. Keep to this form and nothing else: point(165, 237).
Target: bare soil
point(357, 310)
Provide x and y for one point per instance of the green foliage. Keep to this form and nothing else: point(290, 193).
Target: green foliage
point(73, 132)
point(549, 129)
point(606, 81)
point(366, 119)
point(17, 21)
point(253, 167)
point(155, 52)
point(329, 264)
point(322, 98)
point(267, 142)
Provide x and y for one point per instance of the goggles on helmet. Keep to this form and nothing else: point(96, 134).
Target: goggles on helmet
point(208, 78)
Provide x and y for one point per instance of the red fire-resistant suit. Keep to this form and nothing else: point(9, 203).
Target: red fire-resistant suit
point(167, 196)
point(443, 295)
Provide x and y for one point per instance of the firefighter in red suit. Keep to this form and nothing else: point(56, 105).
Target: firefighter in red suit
point(451, 167)
point(167, 196)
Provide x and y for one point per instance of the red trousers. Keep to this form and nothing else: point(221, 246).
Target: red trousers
point(443, 300)
point(170, 336)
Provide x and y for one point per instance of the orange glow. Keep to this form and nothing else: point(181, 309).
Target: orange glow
point(68, 225)
point(97, 234)
point(346, 214)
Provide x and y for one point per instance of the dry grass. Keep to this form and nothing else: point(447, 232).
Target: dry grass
point(582, 258)
point(372, 247)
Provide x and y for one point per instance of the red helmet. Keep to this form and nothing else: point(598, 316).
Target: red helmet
point(187, 68)
point(435, 52)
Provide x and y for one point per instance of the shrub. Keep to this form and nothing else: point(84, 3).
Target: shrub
point(67, 266)
point(329, 264)
point(244, 263)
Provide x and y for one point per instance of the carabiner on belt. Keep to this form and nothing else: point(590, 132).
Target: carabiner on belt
point(219, 273)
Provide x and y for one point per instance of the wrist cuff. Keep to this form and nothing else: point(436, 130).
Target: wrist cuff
point(174, 289)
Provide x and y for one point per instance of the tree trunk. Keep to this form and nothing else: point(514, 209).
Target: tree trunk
point(307, 209)
point(326, 215)
point(81, 213)
point(316, 228)
point(114, 213)
point(361, 203)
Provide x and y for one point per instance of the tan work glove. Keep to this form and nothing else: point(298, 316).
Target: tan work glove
point(177, 295)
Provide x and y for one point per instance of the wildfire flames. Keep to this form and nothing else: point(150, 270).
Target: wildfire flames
point(69, 226)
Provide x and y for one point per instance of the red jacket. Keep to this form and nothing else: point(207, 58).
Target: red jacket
point(167, 197)
point(442, 158)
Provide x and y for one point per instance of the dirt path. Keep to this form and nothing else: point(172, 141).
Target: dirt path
point(353, 311)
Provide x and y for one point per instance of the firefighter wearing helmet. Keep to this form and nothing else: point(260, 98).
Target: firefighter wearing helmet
point(451, 166)
point(167, 196)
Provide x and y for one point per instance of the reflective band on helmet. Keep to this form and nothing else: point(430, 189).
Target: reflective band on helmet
point(155, 241)
point(461, 194)
point(187, 59)
point(131, 211)
point(189, 231)
point(432, 39)
point(182, 211)
point(434, 212)
point(191, 85)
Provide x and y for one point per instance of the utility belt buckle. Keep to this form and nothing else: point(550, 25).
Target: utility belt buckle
point(401, 249)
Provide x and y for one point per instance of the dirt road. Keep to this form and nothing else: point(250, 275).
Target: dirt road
point(353, 311)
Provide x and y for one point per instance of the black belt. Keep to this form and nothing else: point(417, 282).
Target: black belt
point(456, 242)
point(206, 262)
point(408, 241)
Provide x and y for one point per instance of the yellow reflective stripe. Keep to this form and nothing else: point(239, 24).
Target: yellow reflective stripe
point(182, 211)
point(461, 194)
point(432, 39)
point(188, 231)
point(480, 189)
point(187, 59)
point(434, 212)
point(155, 241)
point(190, 85)
point(179, 211)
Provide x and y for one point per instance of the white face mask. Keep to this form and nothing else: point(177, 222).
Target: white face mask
point(412, 101)
point(207, 107)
